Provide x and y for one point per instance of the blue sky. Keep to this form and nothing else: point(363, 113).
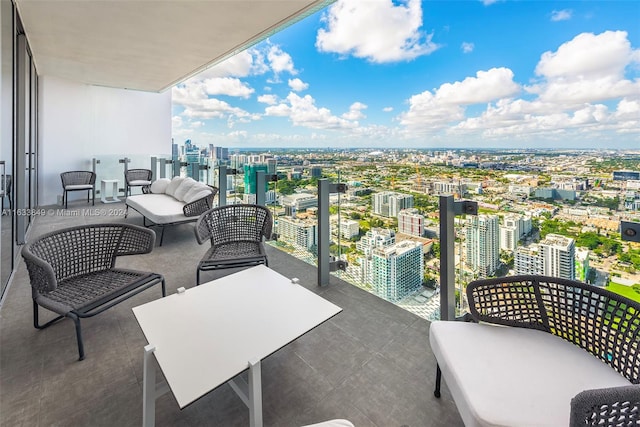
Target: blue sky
point(460, 74)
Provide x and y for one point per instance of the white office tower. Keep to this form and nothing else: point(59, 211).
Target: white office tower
point(301, 233)
point(558, 255)
point(508, 238)
point(527, 260)
point(376, 238)
point(483, 245)
point(410, 222)
point(389, 203)
point(515, 228)
point(397, 270)
point(349, 228)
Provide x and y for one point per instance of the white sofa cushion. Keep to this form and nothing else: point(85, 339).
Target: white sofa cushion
point(192, 197)
point(505, 376)
point(183, 188)
point(196, 188)
point(159, 186)
point(173, 185)
point(159, 208)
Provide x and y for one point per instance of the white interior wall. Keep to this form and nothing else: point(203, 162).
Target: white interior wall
point(78, 122)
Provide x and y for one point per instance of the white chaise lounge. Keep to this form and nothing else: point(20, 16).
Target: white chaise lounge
point(171, 202)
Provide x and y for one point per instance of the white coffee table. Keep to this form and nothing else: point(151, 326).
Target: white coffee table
point(114, 191)
point(208, 335)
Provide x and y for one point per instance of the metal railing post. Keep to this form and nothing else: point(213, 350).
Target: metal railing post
point(94, 165)
point(447, 259)
point(154, 168)
point(222, 185)
point(326, 263)
point(323, 232)
point(163, 168)
point(448, 211)
point(261, 196)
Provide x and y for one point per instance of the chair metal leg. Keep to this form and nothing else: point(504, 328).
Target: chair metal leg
point(76, 320)
point(164, 290)
point(65, 198)
point(436, 393)
point(161, 236)
point(36, 321)
point(198, 276)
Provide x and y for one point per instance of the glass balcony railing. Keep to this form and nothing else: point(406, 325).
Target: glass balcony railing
point(398, 267)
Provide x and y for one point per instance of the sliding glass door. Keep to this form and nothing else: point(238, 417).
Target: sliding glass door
point(18, 138)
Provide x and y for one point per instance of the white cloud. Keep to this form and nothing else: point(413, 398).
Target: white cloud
point(355, 111)
point(268, 99)
point(467, 47)
point(377, 30)
point(446, 104)
point(176, 122)
point(280, 61)
point(298, 85)
point(588, 56)
point(227, 86)
point(387, 109)
point(561, 15)
point(302, 111)
point(489, 2)
point(196, 124)
point(588, 68)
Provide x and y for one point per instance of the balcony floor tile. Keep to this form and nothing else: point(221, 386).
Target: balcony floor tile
point(371, 364)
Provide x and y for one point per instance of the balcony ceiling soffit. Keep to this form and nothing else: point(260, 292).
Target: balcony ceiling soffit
point(147, 45)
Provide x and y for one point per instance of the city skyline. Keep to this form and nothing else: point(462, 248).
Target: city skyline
point(413, 74)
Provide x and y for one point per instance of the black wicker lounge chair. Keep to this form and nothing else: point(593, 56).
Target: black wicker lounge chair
point(73, 271)
point(137, 178)
point(78, 181)
point(527, 308)
point(236, 233)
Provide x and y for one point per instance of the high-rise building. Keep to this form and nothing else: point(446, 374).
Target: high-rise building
point(315, 172)
point(376, 238)
point(515, 227)
point(389, 203)
point(558, 255)
point(250, 177)
point(218, 153)
point(411, 222)
point(483, 247)
point(527, 260)
point(302, 233)
point(554, 256)
point(582, 264)
point(349, 228)
point(271, 166)
point(397, 270)
point(508, 238)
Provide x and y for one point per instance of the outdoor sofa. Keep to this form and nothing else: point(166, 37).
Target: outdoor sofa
point(172, 201)
point(542, 351)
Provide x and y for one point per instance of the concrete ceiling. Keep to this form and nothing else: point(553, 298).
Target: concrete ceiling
point(148, 45)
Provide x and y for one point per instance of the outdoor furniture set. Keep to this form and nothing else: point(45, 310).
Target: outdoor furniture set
point(172, 201)
point(542, 351)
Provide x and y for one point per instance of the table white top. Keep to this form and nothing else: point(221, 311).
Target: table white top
point(107, 181)
point(206, 335)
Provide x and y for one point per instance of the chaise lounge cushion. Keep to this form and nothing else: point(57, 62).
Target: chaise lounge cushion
point(483, 364)
point(186, 185)
point(173, 185)
point(160, 185)
point(158, 208)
